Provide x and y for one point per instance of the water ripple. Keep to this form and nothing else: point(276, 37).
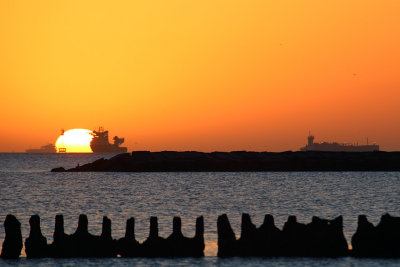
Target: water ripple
point(25, 191)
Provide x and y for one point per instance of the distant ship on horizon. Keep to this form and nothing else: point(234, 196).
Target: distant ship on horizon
point(49, 148)
point(337, 147)
point(100, 143)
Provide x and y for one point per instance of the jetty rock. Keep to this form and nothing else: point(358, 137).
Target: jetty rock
point(380, 241)
point(320, 238)
point(193, 161)
point(36, 244)
point(128, 246)
point(175, 245)
point(83, 244)
point(12, 244)
point(62, 242)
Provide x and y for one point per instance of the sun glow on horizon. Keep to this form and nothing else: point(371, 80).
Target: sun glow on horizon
point(201, 75)
point(75, 141)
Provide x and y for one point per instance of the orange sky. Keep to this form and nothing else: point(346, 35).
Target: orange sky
point(201, 75)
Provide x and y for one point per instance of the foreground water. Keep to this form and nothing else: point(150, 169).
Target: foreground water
point(27, 187)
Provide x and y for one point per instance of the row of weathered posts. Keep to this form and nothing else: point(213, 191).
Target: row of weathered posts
point(319, 238)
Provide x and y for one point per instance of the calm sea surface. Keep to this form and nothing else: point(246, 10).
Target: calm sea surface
point(28, 187)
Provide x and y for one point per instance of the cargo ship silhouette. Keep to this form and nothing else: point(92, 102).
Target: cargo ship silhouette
point(336, 147)
point(49, 148)
point(100, 143)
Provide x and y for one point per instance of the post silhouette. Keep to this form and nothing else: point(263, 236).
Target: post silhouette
point(128, 246)
point(381, 241)
point(36, 244)
point(198, 240)
point(154, 245)
point(82, 241)
point(227, 243)
point(12, 244)
point(61, 246)
point(319, 238)
point(105, 246)
point(270, 238)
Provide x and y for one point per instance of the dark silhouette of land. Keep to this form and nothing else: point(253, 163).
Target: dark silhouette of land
point(192, 161)
point(319, 238)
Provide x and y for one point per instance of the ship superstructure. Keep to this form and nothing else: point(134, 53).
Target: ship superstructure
point(337, 147)
point(100, 143)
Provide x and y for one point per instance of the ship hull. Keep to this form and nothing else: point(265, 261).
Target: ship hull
point(108, 149)
point(39, 151)
point(340, 148)
point(50, 148)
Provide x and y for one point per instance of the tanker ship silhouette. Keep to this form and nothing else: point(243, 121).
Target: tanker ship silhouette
point(100, 143)
point(49, 148)
point(336, 147)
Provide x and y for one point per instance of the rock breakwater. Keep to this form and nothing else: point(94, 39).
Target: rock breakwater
point(319, 238)
point(192, 161)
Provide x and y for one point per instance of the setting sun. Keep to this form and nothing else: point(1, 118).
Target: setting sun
point(75, 141)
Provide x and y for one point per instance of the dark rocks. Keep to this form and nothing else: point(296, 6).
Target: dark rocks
point(173, 161)
point(154, 245)
point(12, 244)
point(36, 244)
point(128, 246)
point(248, 241)
point(62, 243)
point(320, 238)
point(105, 245)
point(270, 238)
point(294, 238)
point(59, 169)
point(181, 246)
point(197, 242)
point(381, 241)
point(142, 155)
point(176, 245)
point(326, 238)
point(227, 243)
point(82, 242)
point(388, 232)
point(266, 241)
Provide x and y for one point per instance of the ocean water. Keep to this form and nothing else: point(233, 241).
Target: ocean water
point(28, 187)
